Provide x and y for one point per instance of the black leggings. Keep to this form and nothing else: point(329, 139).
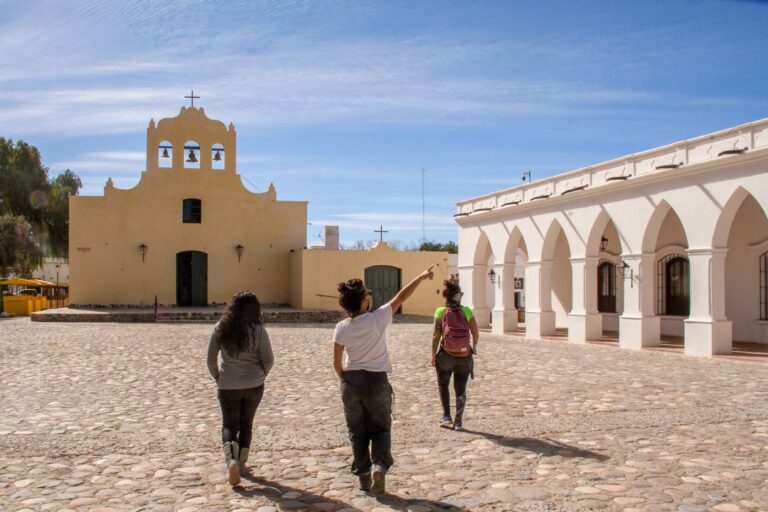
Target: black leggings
point(461, 369)
point(238, 407)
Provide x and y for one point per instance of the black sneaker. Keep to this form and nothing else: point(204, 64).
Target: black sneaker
point(379, 473)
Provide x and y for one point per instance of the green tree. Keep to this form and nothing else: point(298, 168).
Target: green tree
point(57, 210)
point(20, 251)
point(27, 190)
point(449, 247)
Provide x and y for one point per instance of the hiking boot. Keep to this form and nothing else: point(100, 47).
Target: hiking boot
point(365, 482)
point(231, 454)
point(379, 473)
point(457, 425)
point(243, 459)
point(446, 422)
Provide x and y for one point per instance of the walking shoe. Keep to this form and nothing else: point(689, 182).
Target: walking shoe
point(365, 482)
point(446, 422)
point(457, 425)
point(379, 473)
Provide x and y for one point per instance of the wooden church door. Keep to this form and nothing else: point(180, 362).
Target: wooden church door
point(192, 278)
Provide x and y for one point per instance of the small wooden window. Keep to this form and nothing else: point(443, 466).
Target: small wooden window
point(193, 211)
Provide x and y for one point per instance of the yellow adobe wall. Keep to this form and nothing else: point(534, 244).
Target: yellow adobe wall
point(321, 270)
point(105, 232)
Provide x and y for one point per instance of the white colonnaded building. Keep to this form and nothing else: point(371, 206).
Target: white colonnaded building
point(672, 241)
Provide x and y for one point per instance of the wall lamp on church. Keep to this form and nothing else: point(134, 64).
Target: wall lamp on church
point(492, 276)
point(143, 251)
point(626, 272)
point(239, 249)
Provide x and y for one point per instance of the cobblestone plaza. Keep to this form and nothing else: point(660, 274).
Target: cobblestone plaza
point(125, 417)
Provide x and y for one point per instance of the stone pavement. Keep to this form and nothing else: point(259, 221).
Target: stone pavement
point(124, 417)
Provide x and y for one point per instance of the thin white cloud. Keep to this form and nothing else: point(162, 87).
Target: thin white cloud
point(88, 86)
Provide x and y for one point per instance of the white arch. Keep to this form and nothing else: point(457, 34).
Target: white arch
point(728, 213)
point(550, 240)
point(654, 225)
point(515, 241)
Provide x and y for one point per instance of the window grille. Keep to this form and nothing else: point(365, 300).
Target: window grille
point(192, 211)
point(764, 286)
point(673, 286)
point(606, 287)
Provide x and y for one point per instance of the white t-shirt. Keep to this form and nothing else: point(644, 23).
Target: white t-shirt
point(364, 338)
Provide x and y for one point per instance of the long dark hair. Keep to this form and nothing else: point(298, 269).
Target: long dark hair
point(450, 289)
point(351, 295)
point(243, 311)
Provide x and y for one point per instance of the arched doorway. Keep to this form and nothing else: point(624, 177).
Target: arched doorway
point(606, 287)
point(674, 286)
point(191, 278)
point(384, 282)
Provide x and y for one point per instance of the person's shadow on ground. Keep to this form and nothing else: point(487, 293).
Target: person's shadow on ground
point(544, 446)
point(275, 491)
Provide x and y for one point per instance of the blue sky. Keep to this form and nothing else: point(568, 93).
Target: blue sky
point(343, 103)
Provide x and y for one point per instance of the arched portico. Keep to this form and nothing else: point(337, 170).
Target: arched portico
point(739, 247)
point(667, 242)
point(504, 313)
point(597, 283)
point(481, 296)
point(549, 285)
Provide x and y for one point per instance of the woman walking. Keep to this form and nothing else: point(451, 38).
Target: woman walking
point(365, 389)
point(246, 359)
point(452, 353)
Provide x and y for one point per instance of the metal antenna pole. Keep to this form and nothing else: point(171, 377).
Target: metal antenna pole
point(423, 214)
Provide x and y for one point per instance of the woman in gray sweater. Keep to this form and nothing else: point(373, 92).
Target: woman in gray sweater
point(246, 359)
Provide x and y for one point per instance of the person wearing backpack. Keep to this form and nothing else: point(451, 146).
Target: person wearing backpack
point(452, 352)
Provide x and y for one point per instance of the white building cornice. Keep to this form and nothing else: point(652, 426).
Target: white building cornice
point(737, 145)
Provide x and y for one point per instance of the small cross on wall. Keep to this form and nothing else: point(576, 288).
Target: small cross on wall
point(381, 232)
point(192, 97)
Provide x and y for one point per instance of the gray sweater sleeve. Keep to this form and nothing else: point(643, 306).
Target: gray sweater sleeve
point(213, 354)
point(265, 352)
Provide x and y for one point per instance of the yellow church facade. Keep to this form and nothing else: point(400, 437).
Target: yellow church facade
point(190, 234)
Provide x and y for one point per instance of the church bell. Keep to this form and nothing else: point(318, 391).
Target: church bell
point(165, 153)
point(192, 158)
point(217, 155)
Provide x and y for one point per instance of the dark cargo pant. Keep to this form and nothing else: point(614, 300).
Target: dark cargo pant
point(367, 399)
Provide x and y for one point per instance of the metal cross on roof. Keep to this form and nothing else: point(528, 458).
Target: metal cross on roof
point(192, 97)
point(381, 232)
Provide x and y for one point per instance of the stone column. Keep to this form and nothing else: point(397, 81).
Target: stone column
point(638, 325)
point(539, 317)
point(584, 321)
point(707, 330)
point(473, 280)
point(504, 314)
